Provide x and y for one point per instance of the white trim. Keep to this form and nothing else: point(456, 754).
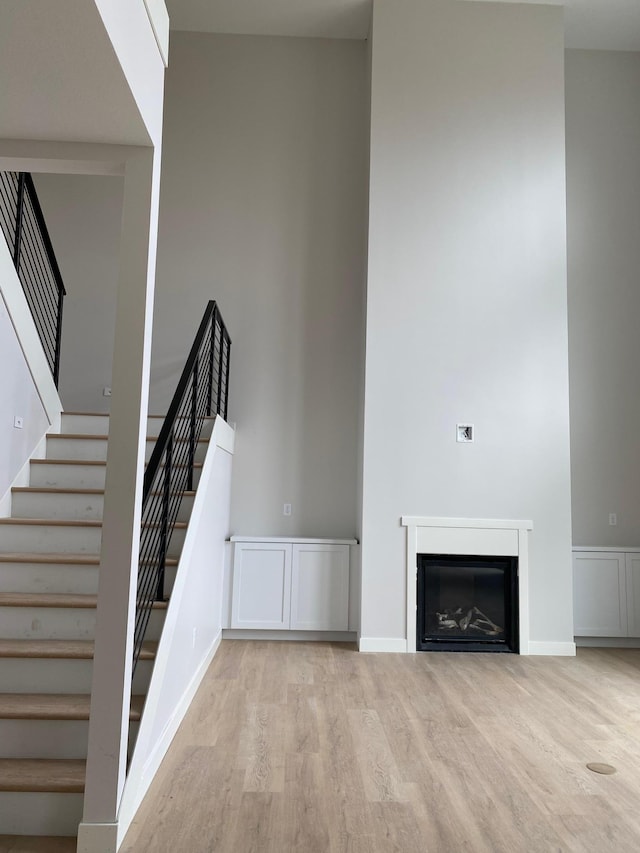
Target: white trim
point(481, 523)
point(555, 649)
point(608, 642)
point(290, 636)
point(393, 645)
point(129, 807)
point(97, 838)
point(600, 550)
point(159, 20)
point(295, 541)
point(500, 537)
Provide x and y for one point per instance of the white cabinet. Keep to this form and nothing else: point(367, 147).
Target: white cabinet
point(606, 592)
point(261, 585)
point(290, 584)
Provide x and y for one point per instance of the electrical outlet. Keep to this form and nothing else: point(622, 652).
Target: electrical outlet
point(106, 391)
point(286, 510)
point(18, 422)
point(613, 519)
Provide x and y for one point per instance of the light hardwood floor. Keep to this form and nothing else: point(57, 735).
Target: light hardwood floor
point(314, 747)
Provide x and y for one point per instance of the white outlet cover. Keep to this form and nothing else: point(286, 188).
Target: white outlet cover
point(18, 422)
point(465, 433)
point(106, 391)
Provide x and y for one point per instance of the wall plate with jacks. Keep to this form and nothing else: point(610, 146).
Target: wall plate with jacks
point(465, 433)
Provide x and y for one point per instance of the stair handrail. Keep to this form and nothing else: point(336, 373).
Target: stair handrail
point(27, 237)
point(203, 390)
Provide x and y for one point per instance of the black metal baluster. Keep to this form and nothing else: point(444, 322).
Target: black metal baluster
point(211, 349)
point(219, 401)
point(56, 360)
point(192, 424)
point(164, 531)
point(19, 212)
point(226, 378)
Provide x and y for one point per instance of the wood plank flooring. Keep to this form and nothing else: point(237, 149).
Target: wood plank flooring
point(315, 748)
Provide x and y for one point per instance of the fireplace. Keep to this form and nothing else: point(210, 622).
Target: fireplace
point(467, 603)
point(476, 539)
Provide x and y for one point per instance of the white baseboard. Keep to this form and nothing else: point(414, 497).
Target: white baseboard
point(97, 838)
point(382, 644)
point(130, 804)
point(290, 636)
point(557, 649)
point(608, 642)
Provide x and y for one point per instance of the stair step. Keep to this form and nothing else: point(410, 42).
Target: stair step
point(38, 844)
point(54, 706)
point(25, 775)
point(73, 473)
point(61, 559)
point(68, 503)
point(64, 535)
point(90, 447)
point(60, 649)
point(35, 599)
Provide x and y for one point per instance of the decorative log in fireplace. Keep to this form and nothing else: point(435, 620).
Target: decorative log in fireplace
point(467, 603)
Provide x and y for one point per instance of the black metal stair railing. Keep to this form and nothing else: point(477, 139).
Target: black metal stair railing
point(203, 390)
point(28, 240)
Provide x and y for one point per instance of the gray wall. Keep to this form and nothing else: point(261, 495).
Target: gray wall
point(603, 197)
point(83, 216)
point(263, 182)
point(467, 298)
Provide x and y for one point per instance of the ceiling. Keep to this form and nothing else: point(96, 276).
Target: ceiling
point(596, 24)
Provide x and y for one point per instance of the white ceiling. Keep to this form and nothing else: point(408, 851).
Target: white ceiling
point(598, 24)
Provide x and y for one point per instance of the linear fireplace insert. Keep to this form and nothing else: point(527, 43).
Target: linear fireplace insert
point(467, 603)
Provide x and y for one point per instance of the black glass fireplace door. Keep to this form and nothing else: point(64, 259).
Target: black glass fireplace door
point(467, 603)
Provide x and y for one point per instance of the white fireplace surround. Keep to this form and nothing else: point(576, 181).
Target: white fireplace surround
point(472, 536)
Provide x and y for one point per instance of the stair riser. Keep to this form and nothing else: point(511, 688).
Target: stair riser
point(76, 507)
point(53, 577)
point(47, 738)
point(75, 476)
point(92, 425)
point(96, 449)
point(53, 539)
point(38, 675)
point(40, 814)
point(59, 623)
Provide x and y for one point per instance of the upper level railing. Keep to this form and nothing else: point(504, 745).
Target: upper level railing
point(203, 390)
point(28, 240)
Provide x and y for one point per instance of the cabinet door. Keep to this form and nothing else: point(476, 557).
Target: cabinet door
point(599, 594)
point(320, 588)
point(633, 594)
point(261, 585)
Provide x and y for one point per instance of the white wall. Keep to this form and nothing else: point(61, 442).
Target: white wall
point(263, 183)
point(603, 193)
point(467, 316)
point(193, 624)
point(26, 385)
point(83, 216)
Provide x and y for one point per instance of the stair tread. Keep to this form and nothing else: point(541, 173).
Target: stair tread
point(69, 649)
point(61, 775)
point(50, 599)
point(64, 559)
point(89, 436)
point(38, 844)
point(54, 706)
point(68, 522)
point(90, 462)
point(57, 490)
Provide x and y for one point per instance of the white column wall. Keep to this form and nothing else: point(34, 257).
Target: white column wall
point(466, 306)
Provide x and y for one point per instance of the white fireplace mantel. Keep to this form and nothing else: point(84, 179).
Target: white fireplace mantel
point(473, 536)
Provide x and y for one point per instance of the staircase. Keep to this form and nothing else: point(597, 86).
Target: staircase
point(49, 558)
